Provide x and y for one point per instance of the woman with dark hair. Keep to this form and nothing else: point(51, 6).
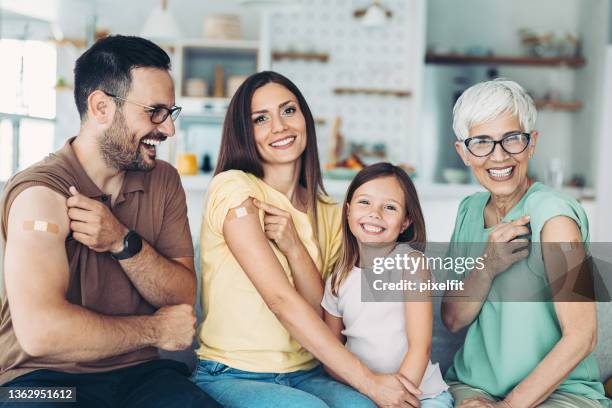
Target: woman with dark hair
point(269, 237)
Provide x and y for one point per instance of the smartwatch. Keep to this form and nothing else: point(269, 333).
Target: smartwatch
point(132, 244)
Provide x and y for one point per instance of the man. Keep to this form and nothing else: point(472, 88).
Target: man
point(99, 265)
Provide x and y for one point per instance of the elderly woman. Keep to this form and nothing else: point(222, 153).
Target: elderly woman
point(516, 354)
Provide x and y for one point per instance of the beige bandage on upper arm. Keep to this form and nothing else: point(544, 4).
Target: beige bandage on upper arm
point(42, 226)
point(240, 212)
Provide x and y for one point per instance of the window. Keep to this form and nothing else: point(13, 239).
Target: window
point(27, 104)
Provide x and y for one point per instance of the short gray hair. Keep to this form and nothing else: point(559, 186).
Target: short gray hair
point(486, 101)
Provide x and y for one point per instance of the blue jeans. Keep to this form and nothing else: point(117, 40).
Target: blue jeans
point(444, 400)
point(305, 389)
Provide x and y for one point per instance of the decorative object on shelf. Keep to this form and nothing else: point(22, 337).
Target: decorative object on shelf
point(196, 87)
point(206, 164)
point(373, 91)
point(554, 174)
point(452, 175)
point(219, 88)
point(61, 85)
point(336, 144)
point(292, 55)
point(375, 15)
point(574, 62)
point(233, 83)
point(549, 44)
point(160, 25)
point(187, 164)
point(222, 27)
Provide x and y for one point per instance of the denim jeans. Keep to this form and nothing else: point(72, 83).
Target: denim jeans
point(156, 383)
point(305, 389)
point(443, 400)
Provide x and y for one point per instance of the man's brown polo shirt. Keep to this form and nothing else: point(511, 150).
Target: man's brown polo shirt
point(151, 203)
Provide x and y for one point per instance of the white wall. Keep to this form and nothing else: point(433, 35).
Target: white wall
point(494, 23)
point(389, 57)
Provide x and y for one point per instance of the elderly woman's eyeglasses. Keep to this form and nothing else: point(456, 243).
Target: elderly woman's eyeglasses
point(158, 114)
point(512, 143)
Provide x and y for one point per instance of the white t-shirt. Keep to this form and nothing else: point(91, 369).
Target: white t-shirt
point(376, 332)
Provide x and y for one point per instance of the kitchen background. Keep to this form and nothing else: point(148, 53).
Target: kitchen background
point(381, 78)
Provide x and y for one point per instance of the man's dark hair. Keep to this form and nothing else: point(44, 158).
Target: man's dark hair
point(107, 66)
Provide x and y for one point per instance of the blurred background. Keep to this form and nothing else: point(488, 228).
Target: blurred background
point(381, 78)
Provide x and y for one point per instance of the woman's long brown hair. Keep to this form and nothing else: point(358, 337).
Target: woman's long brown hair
point(239, 151)
point(414, 235)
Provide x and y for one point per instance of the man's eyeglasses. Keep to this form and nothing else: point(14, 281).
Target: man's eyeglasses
point(512, 143)
point(158, 114)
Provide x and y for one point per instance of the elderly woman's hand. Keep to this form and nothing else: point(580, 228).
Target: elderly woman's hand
point(278, 226)
point(504, 248)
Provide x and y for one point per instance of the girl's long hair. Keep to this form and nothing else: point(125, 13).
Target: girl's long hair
point(414, 235)
point(238, 149)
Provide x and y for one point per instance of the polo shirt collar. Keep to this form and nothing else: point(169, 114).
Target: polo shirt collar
point(132, 182)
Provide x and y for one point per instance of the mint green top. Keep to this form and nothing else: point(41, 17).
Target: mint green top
point(509, 339)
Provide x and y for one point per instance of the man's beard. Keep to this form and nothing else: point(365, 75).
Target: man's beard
point(120, 148)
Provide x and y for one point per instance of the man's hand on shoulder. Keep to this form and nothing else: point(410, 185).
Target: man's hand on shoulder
point(93, 224)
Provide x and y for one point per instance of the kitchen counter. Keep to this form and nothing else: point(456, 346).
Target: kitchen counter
point(439, 202)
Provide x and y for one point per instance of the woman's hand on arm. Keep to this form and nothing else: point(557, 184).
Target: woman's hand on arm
point(578, 320)
point(249, 245)
point(279, 227)
point(460, 308)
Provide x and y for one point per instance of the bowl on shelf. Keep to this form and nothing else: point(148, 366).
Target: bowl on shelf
point(454, 176)
point(340, 173)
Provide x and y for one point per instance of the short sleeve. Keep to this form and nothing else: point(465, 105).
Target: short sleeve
point(542, 206)
point(335, 234)
point(174, 240)
point(330, 301)
point(227, 190)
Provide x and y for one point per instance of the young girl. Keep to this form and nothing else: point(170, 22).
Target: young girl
point(381, 210)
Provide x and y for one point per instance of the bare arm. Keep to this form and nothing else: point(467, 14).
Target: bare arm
point(36, 277)
point(460, 308)
point(336, 326)
point(159, 280)
point(249, 245)
point(578, 320)
point(419, 330)
point(279, 228)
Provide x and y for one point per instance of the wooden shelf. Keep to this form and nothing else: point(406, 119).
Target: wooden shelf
point(574, 106)
point(459, 59)
point(372, 91)
point(307, 56)
point(64, 88)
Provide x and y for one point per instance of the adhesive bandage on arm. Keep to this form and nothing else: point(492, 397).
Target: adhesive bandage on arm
point(240, 212)
point(41, 226)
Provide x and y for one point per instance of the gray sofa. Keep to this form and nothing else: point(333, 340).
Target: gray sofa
point(445, 344)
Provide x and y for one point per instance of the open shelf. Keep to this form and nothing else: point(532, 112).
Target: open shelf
point(307, 56)
point(459, 59)
point(373, 91)
point(573, 106)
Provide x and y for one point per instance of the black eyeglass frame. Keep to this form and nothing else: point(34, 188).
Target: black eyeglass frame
point(173, 112)
point(467, 141)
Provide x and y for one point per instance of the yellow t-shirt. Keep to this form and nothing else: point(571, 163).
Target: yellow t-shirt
point(238, 329)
